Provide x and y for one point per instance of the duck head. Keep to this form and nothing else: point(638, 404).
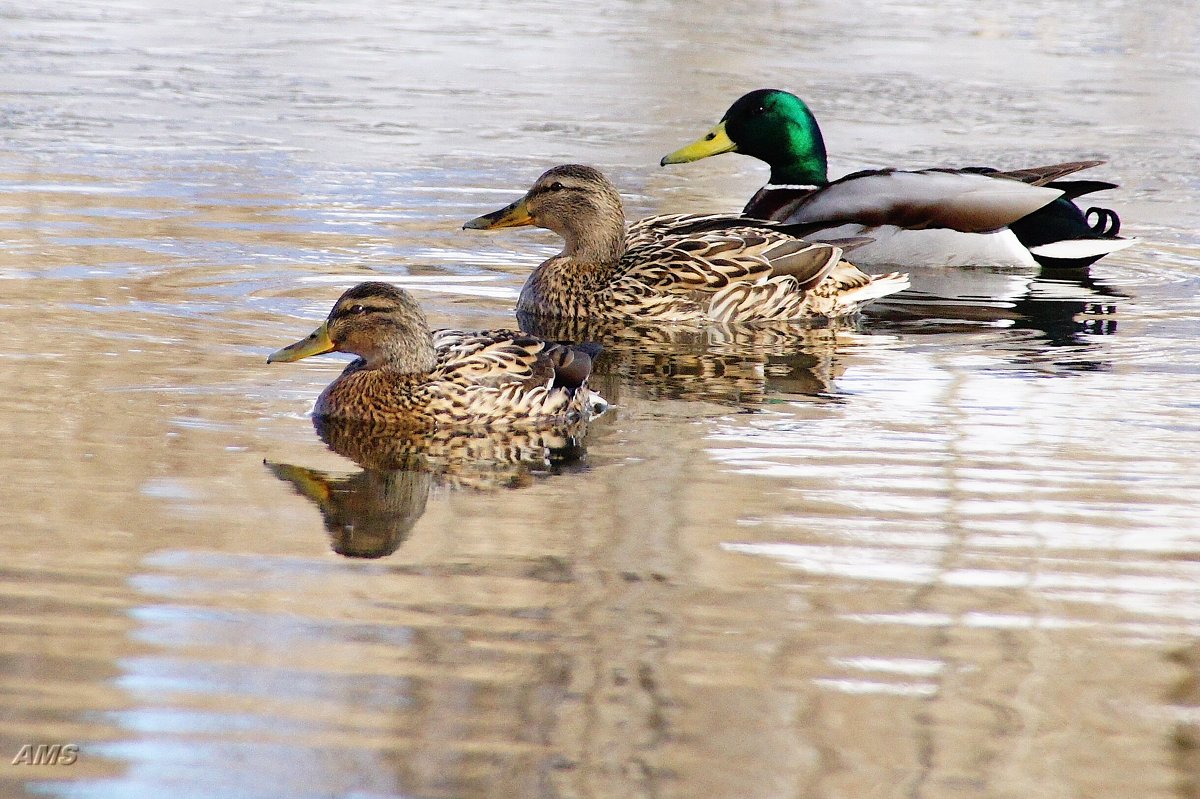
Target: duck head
point(577, 202)
point(378, 322)
point(773, 126)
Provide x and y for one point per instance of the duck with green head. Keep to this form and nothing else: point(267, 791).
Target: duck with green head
point(947, 217)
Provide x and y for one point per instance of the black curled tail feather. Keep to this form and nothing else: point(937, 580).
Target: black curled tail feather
point(1062, 220)
point(1107, 224)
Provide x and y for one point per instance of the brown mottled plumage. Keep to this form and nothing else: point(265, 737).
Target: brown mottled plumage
point(407, 375)
point(674, 268)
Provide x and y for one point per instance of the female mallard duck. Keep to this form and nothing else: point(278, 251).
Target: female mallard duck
point(675, 268)
point(407, 375)
point(949, 217)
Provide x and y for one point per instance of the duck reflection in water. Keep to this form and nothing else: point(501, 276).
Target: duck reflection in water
point(740, 365)
point(1050, 319)
point(370, 513)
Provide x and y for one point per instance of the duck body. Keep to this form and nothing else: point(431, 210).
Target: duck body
point(693, 269)
point(409, 376)
point(940, 217)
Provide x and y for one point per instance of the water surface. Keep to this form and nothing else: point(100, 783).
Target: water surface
point(950, 550)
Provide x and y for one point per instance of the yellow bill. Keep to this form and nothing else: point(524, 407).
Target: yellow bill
point(308, 482)
point(317, 343)
point(512, 215)
point(715, 142)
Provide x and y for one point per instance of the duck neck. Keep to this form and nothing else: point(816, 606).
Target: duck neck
point(597, 247)
point(798, 156)
point(410, 355)
point(803, 174)
point(802, 163)
point(574, 279)
point(595, 250)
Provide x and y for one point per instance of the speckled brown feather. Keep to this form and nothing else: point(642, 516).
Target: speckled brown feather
point(509, 382)
point(673, 268)
point(496, 378)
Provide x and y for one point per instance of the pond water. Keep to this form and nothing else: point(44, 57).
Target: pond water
point(950, 550)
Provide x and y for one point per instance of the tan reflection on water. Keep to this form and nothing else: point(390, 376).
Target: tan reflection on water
point(950, 550)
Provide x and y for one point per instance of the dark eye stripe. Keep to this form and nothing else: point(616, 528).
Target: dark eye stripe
point(555, 187)
point(366, 309)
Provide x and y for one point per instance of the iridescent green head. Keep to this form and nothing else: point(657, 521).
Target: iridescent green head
point(773, 126)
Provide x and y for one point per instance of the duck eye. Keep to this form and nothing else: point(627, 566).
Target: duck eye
point(556, 186)
point(357, 309)
point(759, 111)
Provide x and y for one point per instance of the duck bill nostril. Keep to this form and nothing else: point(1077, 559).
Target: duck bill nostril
point(316, 343)
point(515, 214)
point(715, 142)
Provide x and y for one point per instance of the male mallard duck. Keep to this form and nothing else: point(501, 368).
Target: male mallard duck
point(407, 375)
point(947, 217)
point(675, 268)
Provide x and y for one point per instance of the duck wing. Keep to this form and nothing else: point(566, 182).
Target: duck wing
point(1051, 177)
point(501, 357)
point(970, 202)
point(1036, 175)
point(568, 365)
point(711, 261)
point(654, 229)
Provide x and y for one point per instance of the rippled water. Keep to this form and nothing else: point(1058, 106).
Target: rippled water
point(949, 551)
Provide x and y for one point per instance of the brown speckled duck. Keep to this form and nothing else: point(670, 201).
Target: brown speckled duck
point(407, 375)
point(695, 269)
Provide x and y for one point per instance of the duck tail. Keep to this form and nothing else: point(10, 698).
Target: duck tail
point(853, 299)
point(1063, 236)
point(1074, 189)
point(595, 404)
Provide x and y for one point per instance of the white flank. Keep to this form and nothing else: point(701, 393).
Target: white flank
point(912, 249)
